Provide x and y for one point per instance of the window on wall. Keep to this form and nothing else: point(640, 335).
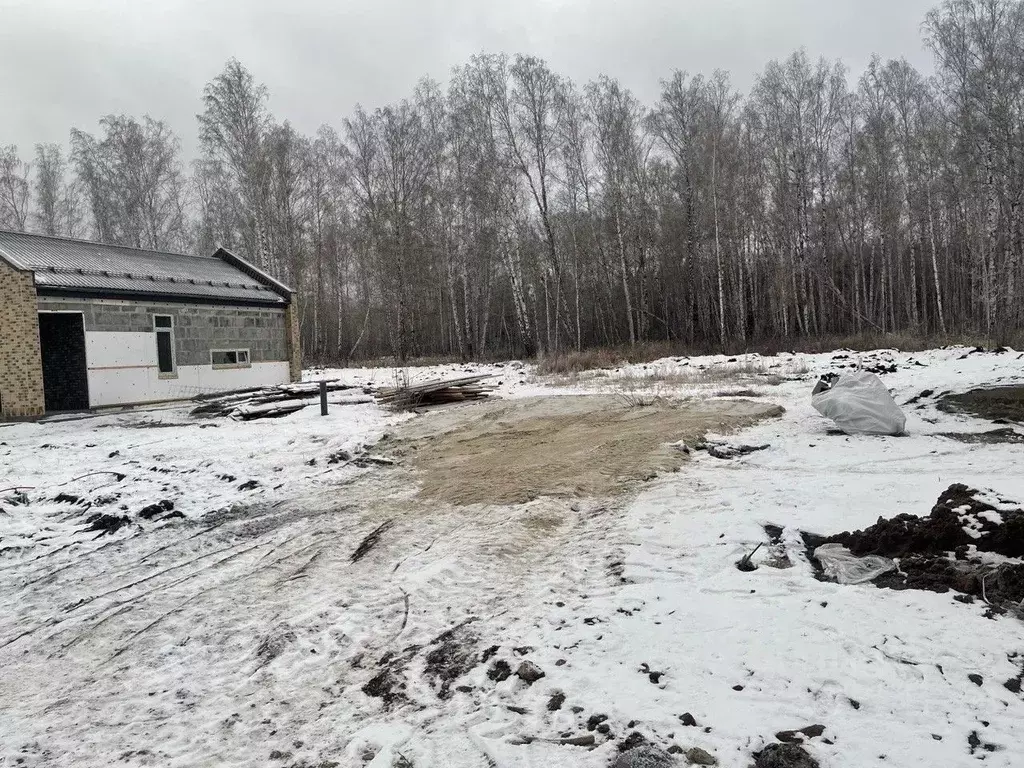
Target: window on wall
point(230, 358)
point(163, 328)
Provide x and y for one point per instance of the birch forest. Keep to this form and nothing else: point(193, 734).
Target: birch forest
point(511, 211)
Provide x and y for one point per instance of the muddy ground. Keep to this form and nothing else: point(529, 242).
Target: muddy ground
point(514, 451)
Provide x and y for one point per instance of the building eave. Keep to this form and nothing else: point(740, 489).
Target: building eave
point(256, 273)
point(86, 294)
point(5, 256)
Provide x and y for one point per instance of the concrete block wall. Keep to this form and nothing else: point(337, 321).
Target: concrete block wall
point(21, 367)
point(198, 328)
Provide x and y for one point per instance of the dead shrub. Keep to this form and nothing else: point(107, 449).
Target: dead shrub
point(748, 369)
point(605, 357)
point(577, 362)
point(637, 399)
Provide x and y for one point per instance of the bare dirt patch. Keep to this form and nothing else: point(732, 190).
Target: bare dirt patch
point(511, 452)
point(995, 403)
point(992, 437)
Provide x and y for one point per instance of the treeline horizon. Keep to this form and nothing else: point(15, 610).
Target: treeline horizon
point(514, 212)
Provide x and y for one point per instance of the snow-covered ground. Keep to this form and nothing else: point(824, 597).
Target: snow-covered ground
point(123, 462)
point(244, 634)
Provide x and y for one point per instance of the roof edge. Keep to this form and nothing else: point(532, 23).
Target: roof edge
point(52, 291)
point(254, 272)
point(101, 243)
point(5, 256)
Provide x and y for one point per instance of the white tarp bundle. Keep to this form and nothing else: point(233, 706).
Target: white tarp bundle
point(841, 565)
point(859, 404)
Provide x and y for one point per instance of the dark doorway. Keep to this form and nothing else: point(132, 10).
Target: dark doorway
point(62, 339)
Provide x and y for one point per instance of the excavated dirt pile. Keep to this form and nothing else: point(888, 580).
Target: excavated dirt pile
point(948, 549)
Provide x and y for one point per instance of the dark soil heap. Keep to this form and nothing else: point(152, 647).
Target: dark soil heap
point(942, 531)
point(934, 551)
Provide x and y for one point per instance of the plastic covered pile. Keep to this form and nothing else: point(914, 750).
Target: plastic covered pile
point(844, 567)
point(859, 404)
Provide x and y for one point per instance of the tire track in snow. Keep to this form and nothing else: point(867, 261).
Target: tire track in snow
point(449, 562)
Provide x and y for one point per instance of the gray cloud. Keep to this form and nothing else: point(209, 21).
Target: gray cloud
point(64, 63)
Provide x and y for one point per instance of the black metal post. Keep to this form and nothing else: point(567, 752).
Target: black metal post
point(323, 398)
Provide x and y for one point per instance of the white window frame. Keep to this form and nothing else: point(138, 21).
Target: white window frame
point(157, 330)
point(236, 352)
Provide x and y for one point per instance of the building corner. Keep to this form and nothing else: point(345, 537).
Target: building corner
point(21, 363)
point(291, 322)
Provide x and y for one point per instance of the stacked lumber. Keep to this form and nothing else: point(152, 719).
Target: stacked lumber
point(274, 402)
point(432, 393)
point(266, 411)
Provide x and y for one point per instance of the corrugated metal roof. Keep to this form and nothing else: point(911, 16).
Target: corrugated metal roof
point(79, 265)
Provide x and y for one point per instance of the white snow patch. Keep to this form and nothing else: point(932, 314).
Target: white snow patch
point(221, 640)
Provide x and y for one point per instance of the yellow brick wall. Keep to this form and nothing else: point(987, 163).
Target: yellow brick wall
point(21, 367)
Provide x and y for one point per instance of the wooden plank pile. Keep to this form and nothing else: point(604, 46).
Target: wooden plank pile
point(433, 393)
point(274, 402)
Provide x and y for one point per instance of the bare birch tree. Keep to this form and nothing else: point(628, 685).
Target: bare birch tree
point(15, 190)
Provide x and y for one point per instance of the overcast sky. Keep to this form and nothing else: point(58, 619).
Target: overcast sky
point(65, 63)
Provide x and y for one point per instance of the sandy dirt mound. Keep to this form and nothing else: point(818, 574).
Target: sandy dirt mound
point(510, 452)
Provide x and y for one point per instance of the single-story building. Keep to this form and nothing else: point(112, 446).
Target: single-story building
point(86, 325)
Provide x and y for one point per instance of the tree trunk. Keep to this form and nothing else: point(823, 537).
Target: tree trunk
point(718, 248)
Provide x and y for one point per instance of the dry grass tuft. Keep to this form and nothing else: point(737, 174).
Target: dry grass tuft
point(642, 387)
point(755, 372)
point(577, 362)
point(604, 358)
point(737, 393)
point(637, 399)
